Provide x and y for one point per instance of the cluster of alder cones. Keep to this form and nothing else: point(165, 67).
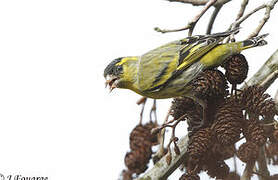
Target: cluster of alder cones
point(247, 114)
point(242, 114)
point(141, 141)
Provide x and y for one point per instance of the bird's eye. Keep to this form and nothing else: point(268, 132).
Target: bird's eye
point(119, 68)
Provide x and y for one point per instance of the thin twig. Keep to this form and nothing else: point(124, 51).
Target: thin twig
point(143, 102)
point(191, 24)
point(243, 18)
point(240, 18)
point(242, 9)
point(269, 6)
point(213, 17)
point(200, 2)
point(193, 2)
point(239, 15)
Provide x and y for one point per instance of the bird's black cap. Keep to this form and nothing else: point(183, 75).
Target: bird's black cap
point(112, 68)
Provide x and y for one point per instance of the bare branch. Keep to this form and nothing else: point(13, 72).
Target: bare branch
point(269, 6)
point(242, 9)
point(162, 170)
point(191, 24)
point(213, 17)
point(200, 2)
point(239, 21)
point(266, 74)
point(193, 2)
point(269, 79)
point(239, 15)
point(240, 18)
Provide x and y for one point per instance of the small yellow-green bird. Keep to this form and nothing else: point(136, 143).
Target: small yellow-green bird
point(166, 71)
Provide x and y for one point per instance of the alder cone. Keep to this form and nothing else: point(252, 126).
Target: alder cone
point(186, 106)
point(187, 176)
point(236, 67)
point(136, 161)
point(228, 123)
point(140, 137)
point(153, 136)
point(210, 84)
point(181, 106)
point(199, 144)
point(255, 132)
point(248, 152)
point(256, 102)
point(216, 168)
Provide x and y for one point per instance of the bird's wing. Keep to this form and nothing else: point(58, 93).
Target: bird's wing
point(162, 64)
point(156, 66)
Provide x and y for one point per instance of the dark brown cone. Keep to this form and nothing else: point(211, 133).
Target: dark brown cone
point(181, 106)
point(210, 84)
point(187, 176)
point(236, 68)
point(126, 175)
point(223, 152)
point(228, 123)
point(153, 137)
point(232, 176)
point(199, 144)
point(254, 132)
point(217, 169)
point(136, 161)
point(193, 111)
point(248, 152)
point(256, 102)
point(140, 137)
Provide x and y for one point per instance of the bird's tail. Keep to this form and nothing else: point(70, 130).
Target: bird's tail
point(254, 42)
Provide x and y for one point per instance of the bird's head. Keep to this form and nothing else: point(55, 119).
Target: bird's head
point(120, 73)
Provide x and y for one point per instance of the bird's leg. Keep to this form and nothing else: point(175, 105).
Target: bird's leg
point(153, 110)
point(143, 102)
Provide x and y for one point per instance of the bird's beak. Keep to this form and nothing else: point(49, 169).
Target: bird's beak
point(111, 81)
